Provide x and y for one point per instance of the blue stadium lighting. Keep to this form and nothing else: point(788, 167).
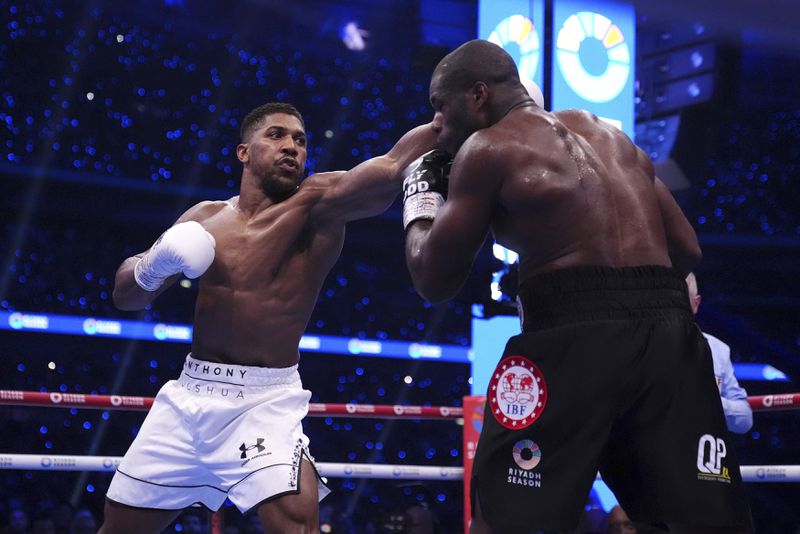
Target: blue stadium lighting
point(505, 255)
point(759, 372)
point(604, 495)
point(182, 333)
point(353, 37)
point(494, 285)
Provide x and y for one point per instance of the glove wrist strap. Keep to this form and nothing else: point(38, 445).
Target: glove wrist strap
point(421, 206)
point(144, 276)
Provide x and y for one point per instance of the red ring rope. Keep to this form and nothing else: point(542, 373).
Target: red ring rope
point(783, 401)
point(121, 402)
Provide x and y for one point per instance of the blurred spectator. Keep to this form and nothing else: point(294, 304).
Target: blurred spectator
point(193, 522)
point(421, 520)
point(252, 524)
point(43, 524)
point(62, 517)
point(17, 522)
point(83, 523)
point(619, 522)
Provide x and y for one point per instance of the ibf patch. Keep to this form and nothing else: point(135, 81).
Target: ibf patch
point(517, 393)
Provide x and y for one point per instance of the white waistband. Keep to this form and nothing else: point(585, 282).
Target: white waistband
point(238, 375)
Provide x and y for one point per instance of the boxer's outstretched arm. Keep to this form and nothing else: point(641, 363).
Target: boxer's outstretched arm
point(185, 248)
point(440, 253)
point(684, 249)
point(370, 188)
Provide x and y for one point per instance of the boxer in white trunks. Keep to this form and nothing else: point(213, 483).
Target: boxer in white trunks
point(230, 426)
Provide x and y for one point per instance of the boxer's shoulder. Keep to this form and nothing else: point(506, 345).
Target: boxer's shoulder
point(488, 146)
point(206, 209)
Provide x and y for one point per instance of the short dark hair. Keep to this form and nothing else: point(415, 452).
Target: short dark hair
point(476, 61)
point(252, 119)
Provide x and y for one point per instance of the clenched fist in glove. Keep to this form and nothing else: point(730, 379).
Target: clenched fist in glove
point(185, 248)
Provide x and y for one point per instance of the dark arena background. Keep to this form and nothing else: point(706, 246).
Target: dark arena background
point(115, 117)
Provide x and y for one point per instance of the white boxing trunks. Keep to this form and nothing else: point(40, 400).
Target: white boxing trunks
point(219, 431)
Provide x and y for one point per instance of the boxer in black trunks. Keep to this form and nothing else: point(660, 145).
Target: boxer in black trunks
point(610, 371)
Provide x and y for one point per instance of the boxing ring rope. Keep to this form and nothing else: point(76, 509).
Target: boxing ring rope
point(121, 402)
point(36, 462)
point(750, 473)
point(761, 403)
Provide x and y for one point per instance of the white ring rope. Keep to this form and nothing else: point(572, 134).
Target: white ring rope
point(35, 462)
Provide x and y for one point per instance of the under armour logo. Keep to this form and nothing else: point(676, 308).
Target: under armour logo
point(244, 448)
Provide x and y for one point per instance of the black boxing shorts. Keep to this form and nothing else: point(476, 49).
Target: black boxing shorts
point(610, 374)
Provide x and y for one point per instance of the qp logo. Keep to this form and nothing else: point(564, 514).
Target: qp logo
point(519, 30)
point(710, 453)
point(593, 56)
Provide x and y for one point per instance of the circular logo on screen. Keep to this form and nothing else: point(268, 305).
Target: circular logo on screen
point(90, 326)
point(16, 321)
point(593, 56)
point(519, 30)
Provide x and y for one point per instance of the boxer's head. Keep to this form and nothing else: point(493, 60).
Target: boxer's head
point(273, 148)
point(473, 87)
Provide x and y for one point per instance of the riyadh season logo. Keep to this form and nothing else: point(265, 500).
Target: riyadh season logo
point(527, 455)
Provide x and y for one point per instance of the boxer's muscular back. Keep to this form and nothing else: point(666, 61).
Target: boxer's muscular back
point(575, 191)
point(257, 297)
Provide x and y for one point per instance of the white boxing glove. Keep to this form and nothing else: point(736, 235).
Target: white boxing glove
point(533, 90)
point(185, 248)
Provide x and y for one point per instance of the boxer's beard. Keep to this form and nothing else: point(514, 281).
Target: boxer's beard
point(278, 188)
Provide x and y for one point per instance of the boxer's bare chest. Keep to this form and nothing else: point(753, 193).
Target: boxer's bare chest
point(275, 246)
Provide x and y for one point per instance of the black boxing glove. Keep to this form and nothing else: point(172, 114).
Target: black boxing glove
point(425, 186)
